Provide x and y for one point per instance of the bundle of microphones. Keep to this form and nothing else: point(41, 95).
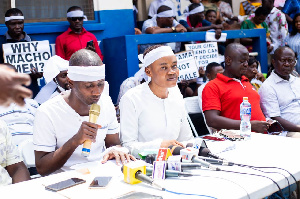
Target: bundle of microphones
point(171, 161)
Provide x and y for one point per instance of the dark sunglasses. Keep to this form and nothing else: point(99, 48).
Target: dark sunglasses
point(76, 18)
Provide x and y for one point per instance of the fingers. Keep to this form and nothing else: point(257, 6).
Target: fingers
point(117, 157)
point(22, 79)
point(105, 158)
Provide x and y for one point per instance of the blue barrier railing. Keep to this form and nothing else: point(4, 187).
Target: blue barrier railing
point(121, 53)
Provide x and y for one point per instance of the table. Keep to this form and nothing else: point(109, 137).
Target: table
point(261, 150)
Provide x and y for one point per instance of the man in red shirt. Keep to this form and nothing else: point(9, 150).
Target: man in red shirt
point(76, 37)
point(222, 96)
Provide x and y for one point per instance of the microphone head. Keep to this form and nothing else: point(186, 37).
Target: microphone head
point(176, 150)
point(95, 109)
point(203, 152)
point(189, 145)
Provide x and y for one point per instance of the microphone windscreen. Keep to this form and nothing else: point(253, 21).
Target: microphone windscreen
point(203, 152)
point(177, 149)
point(189, 145)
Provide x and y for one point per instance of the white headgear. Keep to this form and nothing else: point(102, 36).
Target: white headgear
point(167, 13)
point(194, 11)
point(86, 73)
point(75, 13)
point(13, 17)
point(54, 66)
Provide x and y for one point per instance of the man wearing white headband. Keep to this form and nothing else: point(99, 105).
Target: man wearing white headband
point(14, 21)
point(61, 126)
point(55, 74)
point(153, 114)
point(194, 20)
point(76, 37)
point(157, 3)
point(162, 22)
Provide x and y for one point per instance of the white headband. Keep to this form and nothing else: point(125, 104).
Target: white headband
point(156, 54)
point(194, 11)
point(75, 13)
point(168, 13)
point(86, 74)
point(13, 17)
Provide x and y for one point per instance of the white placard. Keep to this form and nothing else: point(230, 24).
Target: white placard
point(187, 66)
point(26, 55)
point(204, 53)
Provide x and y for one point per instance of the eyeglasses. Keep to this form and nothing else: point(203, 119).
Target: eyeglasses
point(76, 18)
point(288, 60)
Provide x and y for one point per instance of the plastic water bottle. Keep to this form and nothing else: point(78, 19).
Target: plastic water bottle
point(245, 114)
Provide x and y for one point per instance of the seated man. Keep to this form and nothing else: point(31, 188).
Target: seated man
point(61, 125)
point(280, 93)
point(223, 95)
point(157, 3)
point(163, 22)
point(153, 114)
point(55, 73)
point(76, 37)
point(195, 20)
point(12, 168)
point(212, 69)
point(14, 21)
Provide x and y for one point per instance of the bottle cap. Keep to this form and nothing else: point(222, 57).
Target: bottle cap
point(245, 98)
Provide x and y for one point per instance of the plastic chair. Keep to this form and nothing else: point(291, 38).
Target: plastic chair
point(192, 107)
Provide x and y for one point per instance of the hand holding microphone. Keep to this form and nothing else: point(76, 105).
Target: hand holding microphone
point(89, 130)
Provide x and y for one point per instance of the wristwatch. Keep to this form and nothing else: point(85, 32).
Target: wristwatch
point(174, 29)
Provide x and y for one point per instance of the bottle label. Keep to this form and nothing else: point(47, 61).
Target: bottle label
point(246, 111)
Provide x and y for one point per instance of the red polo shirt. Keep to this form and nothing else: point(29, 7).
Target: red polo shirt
point(226, 94)
point(69, 42)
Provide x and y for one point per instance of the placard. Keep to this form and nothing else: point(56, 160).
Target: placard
point(204, 53)
point(187, 66)
point(27, 55)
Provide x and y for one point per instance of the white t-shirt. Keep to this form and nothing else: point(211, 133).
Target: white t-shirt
point(157, 3)
point(9, 154)
point(56, 122)
point(146, 120)
point(153, 23)
point(200, 89)
point(20, 119)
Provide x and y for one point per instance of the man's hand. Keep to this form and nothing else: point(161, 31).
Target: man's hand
point(35, 74)
point(119, 156)
point(260, 77)
point(87, 131)
point(167, 143)
point(269, 48)
point(259, 126)
point(12, 89)
point(180, 28)
point(218, 33)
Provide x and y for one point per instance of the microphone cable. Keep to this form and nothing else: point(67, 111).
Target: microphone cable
point(250, 166)
point(188, 194)
point(258, 175)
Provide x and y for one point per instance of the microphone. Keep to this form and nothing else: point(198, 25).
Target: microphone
point(203, 150)
point(217, 161)
point(169, 173)
point(135, 172)
point(94, 113)
point(193, 158)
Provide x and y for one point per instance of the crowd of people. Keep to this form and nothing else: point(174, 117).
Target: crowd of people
point(152, 108)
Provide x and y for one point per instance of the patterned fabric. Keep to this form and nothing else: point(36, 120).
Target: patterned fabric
point(278, 28)
point(247, 8)
point(291, 8)
point(8, 154)
point(294, 43)
point(225, 8)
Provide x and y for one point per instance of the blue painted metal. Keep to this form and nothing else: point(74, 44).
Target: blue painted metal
point(121, 52)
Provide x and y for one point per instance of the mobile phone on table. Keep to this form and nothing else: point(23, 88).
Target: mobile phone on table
point(100, 182)
point(90, 43)
point(64, 184)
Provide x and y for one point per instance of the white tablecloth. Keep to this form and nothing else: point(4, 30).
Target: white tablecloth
point(261, 150)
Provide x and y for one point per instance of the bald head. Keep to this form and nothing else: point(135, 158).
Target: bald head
point(85, 57)
point(233, 49)
point(279, 51)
